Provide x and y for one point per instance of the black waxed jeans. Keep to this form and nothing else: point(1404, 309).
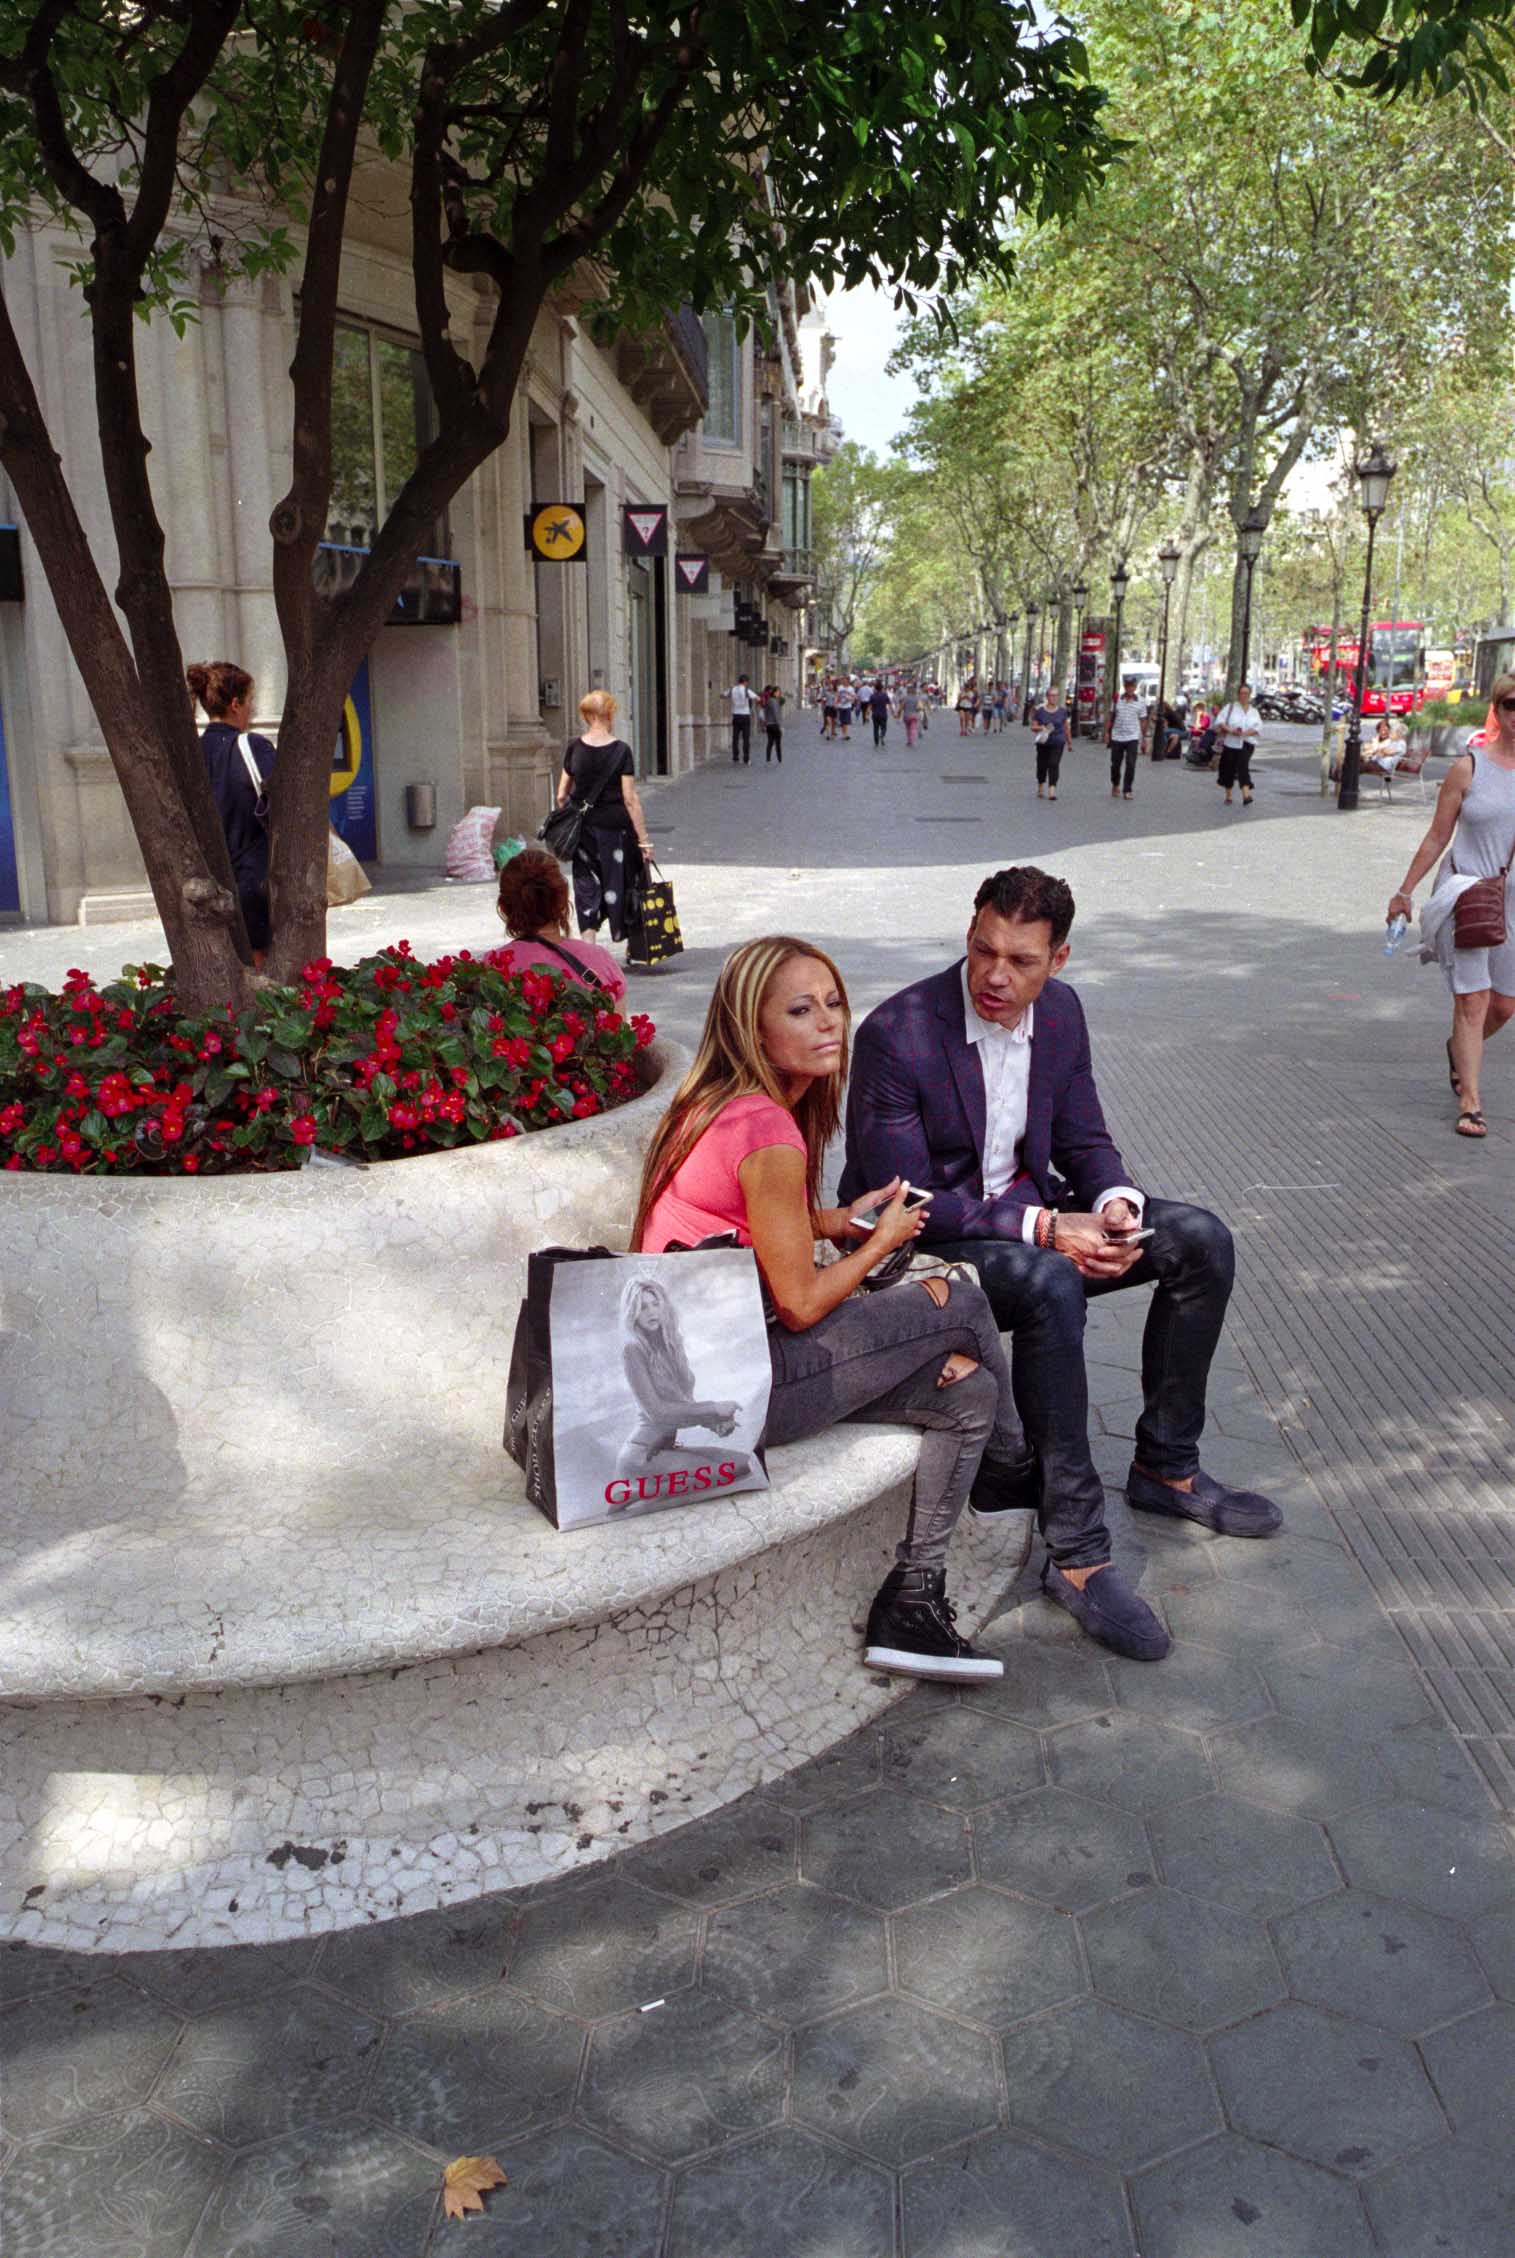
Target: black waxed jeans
point(877, 1359)
point(1123, 752)
point(1041, 1301)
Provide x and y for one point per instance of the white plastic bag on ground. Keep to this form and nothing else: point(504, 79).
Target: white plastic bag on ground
point(469, 843)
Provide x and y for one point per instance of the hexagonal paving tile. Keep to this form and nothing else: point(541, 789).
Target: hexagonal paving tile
point(781, 2192)
point(71, 2195)
point(1097, 2081)
point(601, 1946)
point(1382, 1959)
point(847, 1770)
point(397, 1966)
point(988, 1957)
point(1297, 1767)
point(260, 2067)
point(1230, 2198)
point(1377, 1698)
point(1129, 1760)
point(961, 2206)
point(732, 1854)
point(1255, 1619)
point(568, 2192)
point(894, 2079)
point(795, 1955)
point(1456, 2199)
point(1181, 1960)
point(28, 1970)
point(1042, 1684)
point(1242, 1855)
point(465, 2076)
point(684, 2077)
point(1430, 1765)
point(1063, 1848)
point(294, 2197)
point(962, 1758)
point(1473, 2063)
point(70, 2053)
point(193, 1981)
point(1449, 1864)
point(1333, 2091)
point(1494, 1942)
point(1120, 1417)
point(1191, 1687)
point(885, 1851)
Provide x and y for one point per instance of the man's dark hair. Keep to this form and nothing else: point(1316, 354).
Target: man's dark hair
point(1031, 895)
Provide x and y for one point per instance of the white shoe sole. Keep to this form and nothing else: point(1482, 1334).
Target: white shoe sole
point(901, 1663)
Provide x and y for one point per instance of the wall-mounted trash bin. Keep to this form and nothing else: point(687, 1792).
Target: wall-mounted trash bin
point(421, 806)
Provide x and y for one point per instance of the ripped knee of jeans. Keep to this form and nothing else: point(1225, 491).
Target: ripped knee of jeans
point(938, 1289)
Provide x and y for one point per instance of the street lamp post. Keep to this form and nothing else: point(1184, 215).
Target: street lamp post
point(1051, 615)
point(1033, 613)
point(1120, 581)
point(1249, 541)
point(1373, 475)
point(1080, 599)
point(1167, 565)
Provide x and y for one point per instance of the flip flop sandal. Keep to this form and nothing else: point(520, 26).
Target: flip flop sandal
point(1452, 1074)
point(1480, 1128)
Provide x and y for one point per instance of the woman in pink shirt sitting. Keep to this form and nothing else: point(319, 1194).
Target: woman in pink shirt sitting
point(740, 1150)
point(533, 908)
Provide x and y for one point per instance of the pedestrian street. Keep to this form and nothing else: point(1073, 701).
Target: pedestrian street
point(1213, 1958)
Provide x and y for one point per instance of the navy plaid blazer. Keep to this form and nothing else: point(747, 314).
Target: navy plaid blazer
point(915, 1108)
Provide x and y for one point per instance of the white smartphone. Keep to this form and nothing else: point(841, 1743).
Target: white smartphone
point(915, 1198)
point(1130, 1238)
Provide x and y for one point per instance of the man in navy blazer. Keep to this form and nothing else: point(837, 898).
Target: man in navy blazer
point(977, 1085)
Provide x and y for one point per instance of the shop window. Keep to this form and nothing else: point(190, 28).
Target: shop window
point(723, 418)
point(382, 417)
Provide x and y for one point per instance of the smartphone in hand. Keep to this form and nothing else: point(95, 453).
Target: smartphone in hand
point(915, 1198)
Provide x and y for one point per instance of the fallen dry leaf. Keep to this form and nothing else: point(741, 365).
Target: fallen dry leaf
point(464, 2183)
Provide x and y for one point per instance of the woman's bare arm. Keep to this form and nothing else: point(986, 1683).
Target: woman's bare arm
point(1443, 824)
point(633, 800)
point(783, 1238)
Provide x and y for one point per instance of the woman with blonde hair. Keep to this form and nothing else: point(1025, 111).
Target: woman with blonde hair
point(741, 1150)
point(1474, 827)
point(609, 860)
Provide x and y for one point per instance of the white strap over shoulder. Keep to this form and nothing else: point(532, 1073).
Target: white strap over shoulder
point(254, 773)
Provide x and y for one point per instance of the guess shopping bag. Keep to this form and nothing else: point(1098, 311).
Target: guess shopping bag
point(637, 1381)
point(653, 934)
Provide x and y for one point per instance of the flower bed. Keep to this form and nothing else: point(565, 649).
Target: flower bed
point(371, 1061)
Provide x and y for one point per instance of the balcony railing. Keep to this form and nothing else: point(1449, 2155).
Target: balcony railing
point(689, 335)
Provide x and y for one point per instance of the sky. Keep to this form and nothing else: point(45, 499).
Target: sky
point(872, 406)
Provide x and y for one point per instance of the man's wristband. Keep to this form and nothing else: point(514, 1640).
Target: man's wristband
point(1046, 1230)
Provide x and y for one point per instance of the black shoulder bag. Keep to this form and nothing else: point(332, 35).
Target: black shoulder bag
point(562, 830)
point(579, 971)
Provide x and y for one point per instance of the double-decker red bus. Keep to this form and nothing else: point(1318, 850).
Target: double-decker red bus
point(1395, 649)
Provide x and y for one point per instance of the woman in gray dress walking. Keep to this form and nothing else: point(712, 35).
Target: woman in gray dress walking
point(1475, 818)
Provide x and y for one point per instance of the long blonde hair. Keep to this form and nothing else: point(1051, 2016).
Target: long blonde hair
point(731, 1063)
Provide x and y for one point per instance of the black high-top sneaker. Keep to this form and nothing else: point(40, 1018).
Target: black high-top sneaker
point(911, 1632)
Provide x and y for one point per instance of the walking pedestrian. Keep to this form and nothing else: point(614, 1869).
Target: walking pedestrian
point(1238, 725)
point(740, 699)
point(828, 706)
point(878, 706)
point(1474, 827)
point(610, 860)
point(232, 755)
point(910, 711)
point(1126, 737)
point(845, 699)
point(773, 724)
point(1051, 721)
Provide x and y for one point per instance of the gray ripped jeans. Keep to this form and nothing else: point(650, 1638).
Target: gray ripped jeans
point(877, 1359)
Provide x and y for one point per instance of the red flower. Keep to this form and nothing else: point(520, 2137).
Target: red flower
point(560, 1047)
point(303, 1129)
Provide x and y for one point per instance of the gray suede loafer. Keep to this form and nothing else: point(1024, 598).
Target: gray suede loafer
point(1111, 1612)
point(1229, 1513)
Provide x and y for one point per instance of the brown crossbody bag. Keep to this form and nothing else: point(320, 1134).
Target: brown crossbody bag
point(1478, 914)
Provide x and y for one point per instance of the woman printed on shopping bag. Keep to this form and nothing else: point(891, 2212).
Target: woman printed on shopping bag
point(657, 1371)
point(741, 1150)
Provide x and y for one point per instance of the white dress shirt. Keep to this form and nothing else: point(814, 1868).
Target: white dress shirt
point(1004, 1055)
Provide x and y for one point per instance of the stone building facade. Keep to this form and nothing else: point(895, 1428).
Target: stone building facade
point(473, 695)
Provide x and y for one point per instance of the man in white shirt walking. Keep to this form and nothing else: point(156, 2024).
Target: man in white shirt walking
point(740, 696)
point(1127, 737)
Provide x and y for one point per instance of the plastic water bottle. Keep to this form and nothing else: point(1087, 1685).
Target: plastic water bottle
point(1395, 934)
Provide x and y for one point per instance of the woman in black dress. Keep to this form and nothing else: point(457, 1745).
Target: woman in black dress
point(226, 693)
point(609, 862)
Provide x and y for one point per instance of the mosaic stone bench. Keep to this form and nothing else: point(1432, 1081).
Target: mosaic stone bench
point(283, 1648)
